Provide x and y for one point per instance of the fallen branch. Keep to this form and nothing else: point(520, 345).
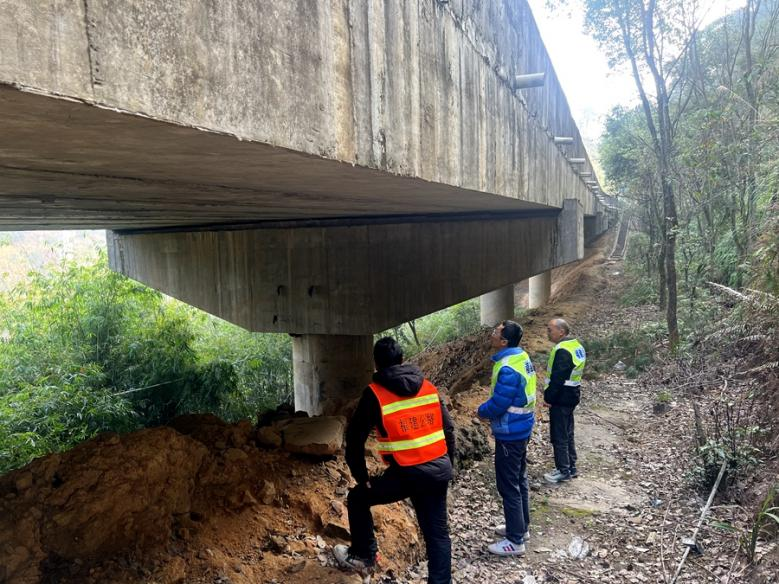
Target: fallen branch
point(662, 534)
point(700, 521)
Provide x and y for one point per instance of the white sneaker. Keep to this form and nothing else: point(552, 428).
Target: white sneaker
point(501, 531)
point(506, 548)
point(346, 560)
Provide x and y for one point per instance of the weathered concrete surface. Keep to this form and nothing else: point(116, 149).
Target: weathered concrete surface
point(330, 370)
point(220, 102)
point(540, 290)
point(345, 280)
point(497, 306)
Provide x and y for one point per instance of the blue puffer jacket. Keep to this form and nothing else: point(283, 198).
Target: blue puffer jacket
point(509, 391)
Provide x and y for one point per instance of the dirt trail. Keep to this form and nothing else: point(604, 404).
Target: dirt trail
point(632, 503)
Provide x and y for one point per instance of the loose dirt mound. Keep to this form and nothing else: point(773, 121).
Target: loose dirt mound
point(200, 502)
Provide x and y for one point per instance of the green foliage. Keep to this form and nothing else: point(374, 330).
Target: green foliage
point(764, 268)
point(38, 419)
point(635, 348)
point(438, 328)
point(767, 515)
point(261, 365)
point(642, 291)
point(86, 350)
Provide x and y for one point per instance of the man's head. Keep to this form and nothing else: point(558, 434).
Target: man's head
point(557, 330)
point(386, 353)
point(506, 334)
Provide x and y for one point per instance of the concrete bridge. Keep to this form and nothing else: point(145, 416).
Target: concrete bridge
point(327, 169)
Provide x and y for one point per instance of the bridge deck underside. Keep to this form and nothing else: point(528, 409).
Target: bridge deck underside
point(68, 164)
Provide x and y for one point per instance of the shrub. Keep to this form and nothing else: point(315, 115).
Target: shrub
point(86, 350)
point(635, 348)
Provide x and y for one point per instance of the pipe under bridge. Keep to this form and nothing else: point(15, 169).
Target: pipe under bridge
point(326, 169)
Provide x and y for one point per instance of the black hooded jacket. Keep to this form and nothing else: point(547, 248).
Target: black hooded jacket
point(404, 380)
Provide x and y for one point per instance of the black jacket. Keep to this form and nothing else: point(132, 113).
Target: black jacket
point(404, 380)
point(559, 394)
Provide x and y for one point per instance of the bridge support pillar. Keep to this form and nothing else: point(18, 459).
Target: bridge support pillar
point(497, 306)
point(540, 289)
point(591, 228)
point(330, 371)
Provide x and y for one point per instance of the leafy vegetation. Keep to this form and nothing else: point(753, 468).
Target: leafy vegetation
point(437, 328)
point(85, 350)
point(635, 348)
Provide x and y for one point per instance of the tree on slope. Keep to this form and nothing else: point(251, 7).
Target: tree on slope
point(653, 38)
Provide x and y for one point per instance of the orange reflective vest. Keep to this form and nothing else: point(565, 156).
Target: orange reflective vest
point(414, 425)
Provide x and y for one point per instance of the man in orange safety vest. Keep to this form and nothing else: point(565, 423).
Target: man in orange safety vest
point(416, 440)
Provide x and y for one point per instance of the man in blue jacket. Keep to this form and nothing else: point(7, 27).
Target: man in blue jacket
point(510, 410)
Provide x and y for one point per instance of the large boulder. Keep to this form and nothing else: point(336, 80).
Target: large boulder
point(317, 436)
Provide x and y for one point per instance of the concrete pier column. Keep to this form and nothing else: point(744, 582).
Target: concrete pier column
point(329, 371)
point(497, 306)
point(540, 289)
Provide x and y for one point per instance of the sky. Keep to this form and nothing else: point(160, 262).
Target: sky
point(591, 87)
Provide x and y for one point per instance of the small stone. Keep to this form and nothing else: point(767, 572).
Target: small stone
point(23, 481)
point(295, 568)
point(268, 493)
point(269, 436)
point(338, 508)
point(235, 455)
point(276, 543)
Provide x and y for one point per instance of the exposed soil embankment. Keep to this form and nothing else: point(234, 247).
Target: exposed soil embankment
point(201, 502)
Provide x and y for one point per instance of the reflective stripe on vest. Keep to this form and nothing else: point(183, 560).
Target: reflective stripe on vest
point(524, 366)
point(578, 356)
point(414, 425)
point(409, 403)
point(398, 445)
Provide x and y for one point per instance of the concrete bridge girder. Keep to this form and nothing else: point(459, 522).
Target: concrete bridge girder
point(346, 280)
point(193, 115)
point(336, 286)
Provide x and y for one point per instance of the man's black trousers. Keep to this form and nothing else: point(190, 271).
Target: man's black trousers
point(561, 429)
point(511, 479)
point(427, 494)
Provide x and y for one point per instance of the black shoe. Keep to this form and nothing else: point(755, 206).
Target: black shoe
point(346, 559)
point(573, 472)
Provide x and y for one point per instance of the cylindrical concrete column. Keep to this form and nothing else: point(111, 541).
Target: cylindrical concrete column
point(329, 371)
point(497, 306)
point(540, 289)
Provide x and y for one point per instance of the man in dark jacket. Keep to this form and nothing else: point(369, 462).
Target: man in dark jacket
point(562, 393)
point(416, 441)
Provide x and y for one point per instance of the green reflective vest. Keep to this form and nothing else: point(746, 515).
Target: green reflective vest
point(575, 348)
point(524, 366)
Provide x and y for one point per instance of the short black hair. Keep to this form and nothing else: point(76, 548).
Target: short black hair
point(386, 353)
point(512, 332)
